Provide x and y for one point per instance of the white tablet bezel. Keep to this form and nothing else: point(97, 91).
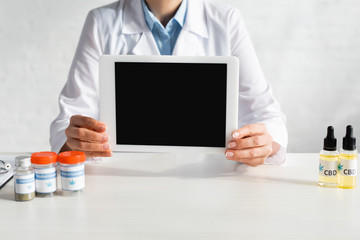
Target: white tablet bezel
point(107, 99)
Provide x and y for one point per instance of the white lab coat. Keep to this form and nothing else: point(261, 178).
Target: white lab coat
point(210, 29)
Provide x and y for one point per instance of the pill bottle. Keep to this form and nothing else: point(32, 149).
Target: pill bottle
point(24, 179)
point(44, 164)
point(72, 172)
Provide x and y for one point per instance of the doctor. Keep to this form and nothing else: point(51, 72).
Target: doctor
point(168, 27)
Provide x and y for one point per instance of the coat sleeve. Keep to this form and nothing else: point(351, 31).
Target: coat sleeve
point(256, 101)
point(80, 94)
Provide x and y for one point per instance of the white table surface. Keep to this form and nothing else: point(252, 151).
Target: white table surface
point(161, 196)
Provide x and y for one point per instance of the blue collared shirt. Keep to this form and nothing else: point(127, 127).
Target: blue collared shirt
point(165, 38)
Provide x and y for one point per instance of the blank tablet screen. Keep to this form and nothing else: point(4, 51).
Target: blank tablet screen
point(171, 104)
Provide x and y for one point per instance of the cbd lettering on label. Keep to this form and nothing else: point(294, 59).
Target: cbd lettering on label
point(348, 167)
point(329, 167)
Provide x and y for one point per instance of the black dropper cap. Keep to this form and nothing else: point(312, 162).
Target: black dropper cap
point(330, 140)
point(349, 142)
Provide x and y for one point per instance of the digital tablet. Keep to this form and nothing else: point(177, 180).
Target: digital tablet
point(169, 103)
point(6, 174)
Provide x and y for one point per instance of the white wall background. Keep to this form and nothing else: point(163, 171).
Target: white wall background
point(309, 51)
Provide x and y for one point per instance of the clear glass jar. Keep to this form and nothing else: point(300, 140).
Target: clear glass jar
point(24, 179)
point(44, 164)
point(72, 172)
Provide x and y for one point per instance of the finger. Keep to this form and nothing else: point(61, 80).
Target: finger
point(76, 144)
point(87, 122)
point(86, 135)
point(249, 130)
point(253, 162)
point(249, 153)
point(98, 154)
point(251, 142)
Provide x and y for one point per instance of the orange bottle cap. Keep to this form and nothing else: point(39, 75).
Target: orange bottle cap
point(71, 157)
point(43, 158)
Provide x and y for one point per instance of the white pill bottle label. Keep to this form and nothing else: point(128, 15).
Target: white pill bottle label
point(24, 184)
point(347, 167)
point(72, 178)
point(328, 168)
point(45, 180)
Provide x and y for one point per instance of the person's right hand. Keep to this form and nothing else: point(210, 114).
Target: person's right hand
point(87, 135)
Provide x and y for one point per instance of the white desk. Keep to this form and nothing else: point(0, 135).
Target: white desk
point(141, 196)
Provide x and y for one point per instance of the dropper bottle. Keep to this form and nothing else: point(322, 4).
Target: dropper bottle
point(329, 161)
point(348, 160)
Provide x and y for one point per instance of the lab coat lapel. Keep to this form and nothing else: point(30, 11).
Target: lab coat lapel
point(188, 44)
point(146, 45)
point(194, 34)
point(135, 24)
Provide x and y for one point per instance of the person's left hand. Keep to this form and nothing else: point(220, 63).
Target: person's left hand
point(251, 145)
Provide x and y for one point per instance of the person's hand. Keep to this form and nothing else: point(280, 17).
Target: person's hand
point(251, 145)
point(87, 135)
